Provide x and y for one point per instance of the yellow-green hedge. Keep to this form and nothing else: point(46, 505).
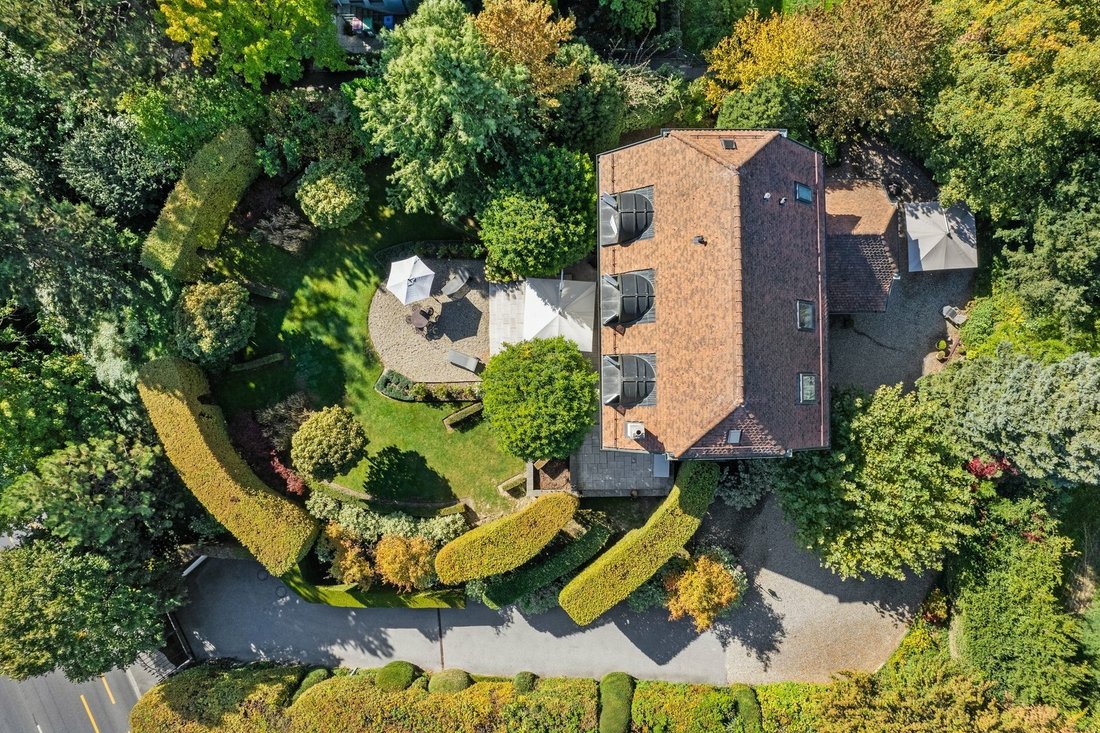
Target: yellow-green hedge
point(506, 543)
point(274, 529)
point(642, 552)
point(200, 204)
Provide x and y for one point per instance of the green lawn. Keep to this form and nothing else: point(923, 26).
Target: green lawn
point(322, 327)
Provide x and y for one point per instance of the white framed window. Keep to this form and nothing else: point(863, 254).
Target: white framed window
point(807, 388)
point(806, 316)
point(803, 193)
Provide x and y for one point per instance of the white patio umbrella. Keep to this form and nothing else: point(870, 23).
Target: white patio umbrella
point(559, 308)
point(410, 280)
point(939, 239)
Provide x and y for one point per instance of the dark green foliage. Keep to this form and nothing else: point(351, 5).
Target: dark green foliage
point(449, 681)
point(526, 237)
point(48, 399)
point(540, 396)
point(444, 110)
point(616, 695)
point(199, 206)
point(666, 707)
point(632, 17)
point(329, 442)
point(313, 677)
point(642, 552)
point(890, 496)
point(1045, 418)
point(107, 163)
point(1012, 626)
point(303, 124)
point(30, 114)
point(396, 676)
point(77, 613)
point(703, 23)
point(773, 101)
point(589, 115)
point(113, 496)
point(524, 682)
point(213, 321)
point(507, 589)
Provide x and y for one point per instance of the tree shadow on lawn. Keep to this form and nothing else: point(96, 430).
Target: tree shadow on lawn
point(399, 475)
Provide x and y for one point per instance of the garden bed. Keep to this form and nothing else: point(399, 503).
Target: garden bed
point(399, 387)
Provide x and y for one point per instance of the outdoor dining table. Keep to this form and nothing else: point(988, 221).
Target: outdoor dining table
point(418, 319)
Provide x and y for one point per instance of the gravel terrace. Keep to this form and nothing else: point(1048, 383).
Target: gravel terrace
point(463, 325)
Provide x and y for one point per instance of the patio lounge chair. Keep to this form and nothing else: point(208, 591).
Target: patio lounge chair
point(465, 361)
point(954, 316)
point(455, 284)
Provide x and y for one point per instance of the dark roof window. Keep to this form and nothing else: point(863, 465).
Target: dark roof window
point(807, 388)
point(627, 298)
point(626, 217)
point(803, 193)
point(805, 315)
point(628, 380)
point(729, 143)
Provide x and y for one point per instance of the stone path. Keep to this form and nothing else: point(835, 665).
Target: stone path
point(463, 325)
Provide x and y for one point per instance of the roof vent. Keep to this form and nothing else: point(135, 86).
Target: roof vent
point(782, 200)
point(768, 196)
point(699, 239)
point(729, 143)
point(635, 430)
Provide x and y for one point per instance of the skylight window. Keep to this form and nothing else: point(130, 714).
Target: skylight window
point(628, 380)
point(729, 143)
point(803, 193)
point(805, 315)
point(807, 388)
point(626, 217)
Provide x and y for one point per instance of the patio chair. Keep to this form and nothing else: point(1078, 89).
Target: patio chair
point(954, 316)
point(464, 361)
point(455, 287)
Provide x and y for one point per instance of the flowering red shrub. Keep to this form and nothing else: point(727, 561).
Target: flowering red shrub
point(294, 483)
point(261, 457)
point(991, 468)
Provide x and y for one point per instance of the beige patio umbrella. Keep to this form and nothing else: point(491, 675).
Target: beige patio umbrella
point(559, 308)
point(940, 239)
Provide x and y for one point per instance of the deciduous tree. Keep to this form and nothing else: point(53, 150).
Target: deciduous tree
point(523, 32)
point(406, 562)
point(213, 320)
point(710, 586)
point(540, 396)
point(890, 496)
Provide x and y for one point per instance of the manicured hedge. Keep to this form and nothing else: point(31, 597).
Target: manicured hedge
point(200, 204)
point(641, 553)
point(215, 697)
point(616, 694)
point(667, 707)
point(449, 681)
point(507, 589)
point(355, 704)
point(459, 416)
point(396, 676)
point(274, 529)
point(315, 676)
point(506, 543)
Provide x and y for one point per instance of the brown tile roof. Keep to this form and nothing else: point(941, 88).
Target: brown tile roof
point(727, 349)
point(862, 245)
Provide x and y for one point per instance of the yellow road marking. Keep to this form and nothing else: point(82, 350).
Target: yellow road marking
point(107, 687)
point(88, 710)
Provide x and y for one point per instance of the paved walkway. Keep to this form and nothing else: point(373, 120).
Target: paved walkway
point(799, 622)
point(463, 325)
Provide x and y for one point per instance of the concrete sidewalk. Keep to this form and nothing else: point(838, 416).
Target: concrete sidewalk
point(799, 622)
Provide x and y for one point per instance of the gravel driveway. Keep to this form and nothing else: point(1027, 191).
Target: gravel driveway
point(799, 622)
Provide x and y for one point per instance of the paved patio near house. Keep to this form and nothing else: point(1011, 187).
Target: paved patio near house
point(462, 324)
point(597, 472)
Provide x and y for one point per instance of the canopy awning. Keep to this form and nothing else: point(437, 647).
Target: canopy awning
point(410, 280)
point(559, 308)
point(940, 239)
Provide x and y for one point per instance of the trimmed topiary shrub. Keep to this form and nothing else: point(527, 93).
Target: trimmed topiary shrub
point(332, 193)
point(616, 694)
point(506, 543)
point(214, 320)
point(275, 530)
point(668, 706)
point(396, 676)
point(642, 552)
point(200, 204)
point(449, 681)
point(524, 681)
point(320, 674)
point(507, 589)
point(329, 443)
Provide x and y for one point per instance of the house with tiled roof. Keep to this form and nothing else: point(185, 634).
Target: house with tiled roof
point(863, 246)
point(712, 315)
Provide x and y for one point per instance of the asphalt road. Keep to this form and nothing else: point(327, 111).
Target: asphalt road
point(53, 704)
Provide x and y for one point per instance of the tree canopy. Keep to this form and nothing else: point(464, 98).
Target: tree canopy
point(540, 396)
point(890, 496)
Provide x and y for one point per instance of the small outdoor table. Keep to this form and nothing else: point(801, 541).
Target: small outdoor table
point(418, 319)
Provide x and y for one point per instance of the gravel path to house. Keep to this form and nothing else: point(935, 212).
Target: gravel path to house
point(799, 622)
point(867, 350)
point(463, 325)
